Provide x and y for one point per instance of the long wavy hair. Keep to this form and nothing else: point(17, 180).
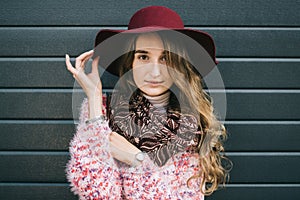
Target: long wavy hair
point(213, 172)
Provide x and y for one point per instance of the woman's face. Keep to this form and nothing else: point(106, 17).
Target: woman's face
point(150, 72)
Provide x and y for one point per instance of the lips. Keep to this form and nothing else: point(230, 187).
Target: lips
point(154, 82)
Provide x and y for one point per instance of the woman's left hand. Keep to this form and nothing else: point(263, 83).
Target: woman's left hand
point(121, 149)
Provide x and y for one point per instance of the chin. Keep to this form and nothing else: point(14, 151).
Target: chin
point(153, 91)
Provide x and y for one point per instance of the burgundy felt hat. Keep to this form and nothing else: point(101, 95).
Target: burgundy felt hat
point(153, 19)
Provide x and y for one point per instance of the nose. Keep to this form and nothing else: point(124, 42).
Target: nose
point(155, 70)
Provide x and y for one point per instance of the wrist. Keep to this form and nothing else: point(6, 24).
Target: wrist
point(96, 96)
point(95, 106)
point(101, 119)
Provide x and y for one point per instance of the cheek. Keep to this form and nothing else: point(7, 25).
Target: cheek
point(169, 83)
point(167, 77)
point(135, 73)
point(138, 76)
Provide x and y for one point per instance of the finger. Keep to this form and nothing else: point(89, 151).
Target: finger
point(111, 136)
point(81, 58)
point(115, 139)
point(86, 59)
point(70, 66)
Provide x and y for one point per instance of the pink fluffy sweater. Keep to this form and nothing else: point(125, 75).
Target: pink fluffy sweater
point(94, 174)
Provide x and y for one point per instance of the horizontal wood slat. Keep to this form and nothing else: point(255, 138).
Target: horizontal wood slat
point(49, 167)
point(262, 105)
point(239, 192)
point(230, 42)
point(54, 191)
point(242, 136)
point(36, 191)
point(245, 105)
point(260, 73)
point(42, 73)
point(36, 136)
point(247, 136)
point(264, 169)
point(236, 73)
point(33, 167)
point(219, 13)
point(36, 105)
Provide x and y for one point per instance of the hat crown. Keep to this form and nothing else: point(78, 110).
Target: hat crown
point(155, 16)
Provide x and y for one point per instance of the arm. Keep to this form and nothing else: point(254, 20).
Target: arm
point(121, 149)
point(91, 169)
point(169, 181)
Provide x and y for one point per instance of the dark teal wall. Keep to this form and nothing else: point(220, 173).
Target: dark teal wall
point(258, 46)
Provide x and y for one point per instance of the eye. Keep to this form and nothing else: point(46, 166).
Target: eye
point(163, 58)
point(143, 57)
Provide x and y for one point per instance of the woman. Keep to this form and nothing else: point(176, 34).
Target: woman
point(158, 138)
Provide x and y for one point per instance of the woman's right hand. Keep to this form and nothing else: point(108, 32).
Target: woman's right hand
point(90, 83)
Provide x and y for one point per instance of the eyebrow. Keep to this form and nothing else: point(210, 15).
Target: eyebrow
point(146, 52)
point(140, 51)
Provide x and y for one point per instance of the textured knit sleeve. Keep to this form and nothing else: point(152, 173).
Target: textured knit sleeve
point(91, 170)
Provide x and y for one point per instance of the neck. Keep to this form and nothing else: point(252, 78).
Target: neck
point(160, 100)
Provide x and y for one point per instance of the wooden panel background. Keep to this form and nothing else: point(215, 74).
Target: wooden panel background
point(258, 47)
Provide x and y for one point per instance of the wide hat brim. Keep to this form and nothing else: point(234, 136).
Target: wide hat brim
point(110, 44)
